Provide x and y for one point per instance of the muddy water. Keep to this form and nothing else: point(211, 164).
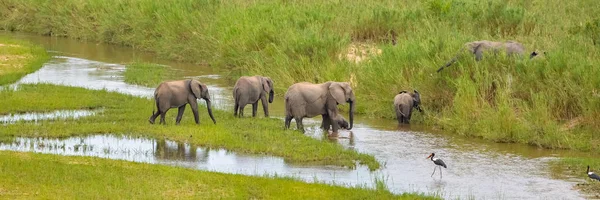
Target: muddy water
point(476, 169)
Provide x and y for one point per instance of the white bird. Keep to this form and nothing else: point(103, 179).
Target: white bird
point(438, 162)
point(592, 175)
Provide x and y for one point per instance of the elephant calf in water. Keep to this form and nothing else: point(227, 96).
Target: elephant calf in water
point(340, 120)
point(177, 94)
point(309, 100)
point(248, 90)
point(478, 48)
point(404, 102)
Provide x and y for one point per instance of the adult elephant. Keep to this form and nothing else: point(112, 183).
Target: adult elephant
point(177, 94)
point(478, 48)
point(404, 102)
point(309, 100)
point(250, 89)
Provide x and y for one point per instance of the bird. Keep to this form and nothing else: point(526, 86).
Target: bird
point(592, 175)
point(438, 162)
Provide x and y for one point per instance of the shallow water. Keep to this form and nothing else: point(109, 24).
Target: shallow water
point(37, 116)
point(476, 169)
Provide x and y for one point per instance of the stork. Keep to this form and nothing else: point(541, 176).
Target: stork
point(438, 162)
point(592, 175)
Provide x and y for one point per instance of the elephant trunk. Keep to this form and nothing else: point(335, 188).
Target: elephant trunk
point(209, 108)
point(351, 115)
point(271, 93)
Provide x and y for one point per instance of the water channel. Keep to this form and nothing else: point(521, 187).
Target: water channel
point(476, 169)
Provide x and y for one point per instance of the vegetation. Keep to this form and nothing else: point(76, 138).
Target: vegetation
point(147, 74)
point(551, 102)
point(18, 58)
point(577, 167)
point(124, 114)
point(39, 176)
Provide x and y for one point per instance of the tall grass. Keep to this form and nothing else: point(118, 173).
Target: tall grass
point(552, 102)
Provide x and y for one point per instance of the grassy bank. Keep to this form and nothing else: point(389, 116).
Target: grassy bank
point(18, 58)
point(147, 74)
point(577, 167)
point(552, 102)
point(39, 176)
point(124, 114)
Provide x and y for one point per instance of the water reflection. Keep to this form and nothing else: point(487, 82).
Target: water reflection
point(57, 114)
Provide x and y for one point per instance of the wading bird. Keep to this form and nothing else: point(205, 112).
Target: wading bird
point(438, 162)
point(592, 175)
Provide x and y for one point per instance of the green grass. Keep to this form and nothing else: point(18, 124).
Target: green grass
point(19, 58)
point(577, 167)
point(552, 102)
point(124, 114)
point(147, 74)
point(40, 176)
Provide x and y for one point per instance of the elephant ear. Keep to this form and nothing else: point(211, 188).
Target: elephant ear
point(266, 83)
point(196, 88)
point(338, 93)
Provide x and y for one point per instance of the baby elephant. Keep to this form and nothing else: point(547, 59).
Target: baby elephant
point(478, 48)
point(250, 89)
point(404, 102)
point(177, 94)
point(340, 120)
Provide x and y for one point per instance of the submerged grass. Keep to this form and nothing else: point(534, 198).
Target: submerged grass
point(147, 74)
point(552, 102)
point(124, 114)
point(19, 58)
point(39, 176)
point(577, 167)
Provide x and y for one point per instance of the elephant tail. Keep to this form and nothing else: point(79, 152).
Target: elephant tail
point(400, 110)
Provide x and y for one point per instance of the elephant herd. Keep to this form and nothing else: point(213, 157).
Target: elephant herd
point(305, 99)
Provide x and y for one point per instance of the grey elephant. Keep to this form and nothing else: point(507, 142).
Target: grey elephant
point(250, 89)
point(339, 119)
point(177, 94)
point(478, 48)
point(308, 100)
point(404, 102)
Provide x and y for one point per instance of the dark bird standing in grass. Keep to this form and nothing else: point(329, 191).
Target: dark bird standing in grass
point(592, 175)
point(438, 162)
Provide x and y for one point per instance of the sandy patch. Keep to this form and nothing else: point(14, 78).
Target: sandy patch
point(359, 52)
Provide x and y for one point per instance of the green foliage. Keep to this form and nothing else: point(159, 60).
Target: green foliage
point(40, 176)
point(124, 114)
point(551, 102)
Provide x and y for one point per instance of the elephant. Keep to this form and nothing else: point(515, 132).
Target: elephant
point(308, 100)
point(404, 102)
point(339, 119)
point(176, 94)
point(478, 48)
point(248, 90)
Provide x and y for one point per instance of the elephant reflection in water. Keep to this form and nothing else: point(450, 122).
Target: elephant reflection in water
point(177, 151)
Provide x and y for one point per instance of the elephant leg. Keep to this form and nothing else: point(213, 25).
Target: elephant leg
point(265, 106)
point(399, 117)
point(299, 124)
point(236, 106)
point(179, 114)
point(153, 117)
point(254, 108)
point(288, 120)
point(162, 117)
point(241, 113)
point(325, 122)
point(194, 106)
point(334, 125)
